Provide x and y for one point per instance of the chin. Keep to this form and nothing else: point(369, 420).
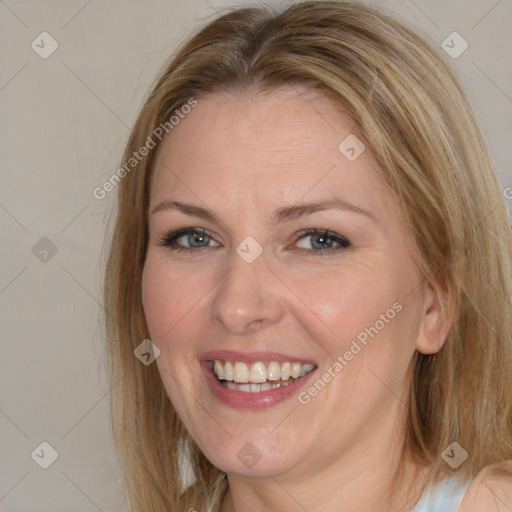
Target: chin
point(254, 456)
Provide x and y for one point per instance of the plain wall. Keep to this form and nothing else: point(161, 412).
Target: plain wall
point(65, 120)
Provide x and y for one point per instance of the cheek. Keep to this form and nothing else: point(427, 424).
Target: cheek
point(166, 298)
point(347, 301)
point(369, 318)
point(334, 306)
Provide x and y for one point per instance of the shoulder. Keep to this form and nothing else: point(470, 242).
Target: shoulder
point(490, 491)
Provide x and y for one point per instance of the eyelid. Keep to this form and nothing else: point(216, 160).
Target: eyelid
point(325, 232)
point(169, 240)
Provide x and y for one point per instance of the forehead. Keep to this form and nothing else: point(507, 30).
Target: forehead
point(281, 143)
point(277, 119)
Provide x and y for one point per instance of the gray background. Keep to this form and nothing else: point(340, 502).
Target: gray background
point(65, 120)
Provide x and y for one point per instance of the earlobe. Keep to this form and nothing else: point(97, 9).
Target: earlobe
point(437, 318)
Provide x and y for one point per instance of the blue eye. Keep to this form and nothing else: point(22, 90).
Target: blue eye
point(191, 235)
point(323, 242)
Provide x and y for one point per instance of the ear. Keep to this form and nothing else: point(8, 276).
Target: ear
point(437, 318)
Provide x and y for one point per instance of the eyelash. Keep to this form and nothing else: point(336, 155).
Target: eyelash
point(169, 241)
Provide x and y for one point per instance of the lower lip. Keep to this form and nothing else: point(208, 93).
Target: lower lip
point(246, 400)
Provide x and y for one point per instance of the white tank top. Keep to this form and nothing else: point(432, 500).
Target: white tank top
point(446, 496)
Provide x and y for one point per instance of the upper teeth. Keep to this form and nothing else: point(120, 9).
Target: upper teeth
point(259, 372)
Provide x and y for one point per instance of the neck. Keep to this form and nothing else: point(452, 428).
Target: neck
point(368, 492)
point(370, 476)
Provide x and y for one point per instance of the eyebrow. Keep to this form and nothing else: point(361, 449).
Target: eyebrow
point(286, 213)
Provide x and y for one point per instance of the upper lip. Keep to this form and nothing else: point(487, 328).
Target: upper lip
point(252, 357)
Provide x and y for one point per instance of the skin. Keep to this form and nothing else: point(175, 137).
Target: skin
point(244, 156)
point(489, 491)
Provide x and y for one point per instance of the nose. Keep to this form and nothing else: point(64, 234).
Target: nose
point(248, 297)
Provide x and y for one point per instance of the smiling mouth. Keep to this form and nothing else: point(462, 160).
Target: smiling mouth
point(259, 376)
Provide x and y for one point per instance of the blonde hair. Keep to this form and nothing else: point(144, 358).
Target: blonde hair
point(415, 117)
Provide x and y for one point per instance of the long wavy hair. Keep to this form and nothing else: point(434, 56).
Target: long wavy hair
point(416, 119)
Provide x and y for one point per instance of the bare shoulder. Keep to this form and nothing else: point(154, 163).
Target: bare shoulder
point(490, 491)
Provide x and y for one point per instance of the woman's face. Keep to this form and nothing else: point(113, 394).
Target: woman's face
point(258, 294)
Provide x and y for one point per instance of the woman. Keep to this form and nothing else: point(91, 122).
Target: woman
point(312, 236)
